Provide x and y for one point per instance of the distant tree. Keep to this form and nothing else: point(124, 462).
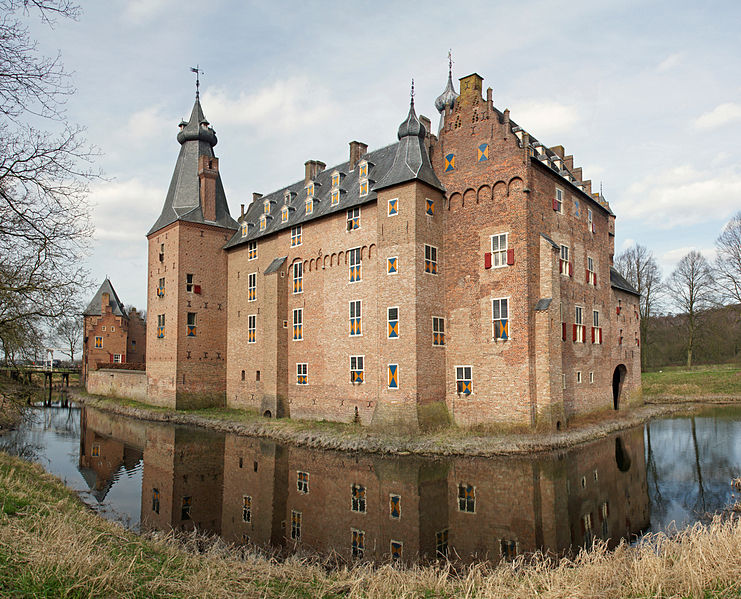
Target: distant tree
point(728, 260)
point(638, 265)
point(692, 287)
point(68, 334)
point(44, 217)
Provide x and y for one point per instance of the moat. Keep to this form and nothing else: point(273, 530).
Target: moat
point(668, 473)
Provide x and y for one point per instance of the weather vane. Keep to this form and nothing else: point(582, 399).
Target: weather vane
point(196, 69)
point(450, 61)
point(412, 92)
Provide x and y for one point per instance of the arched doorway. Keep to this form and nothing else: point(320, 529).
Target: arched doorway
point(618, 378)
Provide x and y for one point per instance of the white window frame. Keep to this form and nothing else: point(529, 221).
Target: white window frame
point(302, 486)
point(357, 364)
point(565, 260)
point(116, 358)
point(388, 322)
point(388, 211)
point(432, 259)
point(302, 369)
point(353, 216)
point(252, 250)
point(98, 344)
point(363, 169)
point(578, 377)
point(284, 214)
point(499, 256)
point(460, 376)
point(591, 377)
point(354, 258)
point(440, 330)
point(297, 268)
point(252, 286)
point(559, 200)
point(266, 207)
point(252, 327)
point(355, 311)
point(335, 197)
point(309, 206)
point(263, 222)
point(298, 319)
point(363, 188)
point(296, 236)
point(499, 300)
point(579, 322)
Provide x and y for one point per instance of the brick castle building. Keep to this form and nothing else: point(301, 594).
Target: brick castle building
point(465, 276)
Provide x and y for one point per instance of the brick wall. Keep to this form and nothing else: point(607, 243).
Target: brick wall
point(131, 384)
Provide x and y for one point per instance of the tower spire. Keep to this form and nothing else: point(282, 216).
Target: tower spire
point(196, 69)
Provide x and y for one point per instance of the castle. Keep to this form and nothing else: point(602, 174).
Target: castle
point(465, 276)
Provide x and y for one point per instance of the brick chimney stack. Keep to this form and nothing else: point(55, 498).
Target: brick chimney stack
point(256, 196)
point(105, 303)
point(313, 168)
point(357, 150)
point(208, 171)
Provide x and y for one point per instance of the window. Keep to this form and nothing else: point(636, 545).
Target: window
point(298, 277)
point(591, 275)
point(295, 236)
point(565, 264)
point(251, 328)
point(578, 377)
point(190, 329)
point(449, 163)
point(463, 379)
point(246, 508)
point(302, 373)
point(102, 328)
point(161, 288)
point(160, 328)
point(590, 221)
point(482, 155)
point(358, 498)
point(508, 549)
point(185, 508)
point(244, 228)
point(396, 548)
point(335, 197)
point(310, 190)
point(353, 260)
point(394, 506)
point(393, 371)
point(309, 205)
point(363, 172)
point(393, 323)
point(99, 340)
point(295, 525)
point(363, 187)
point(596, 328)
point(266, 207)
point(466, 498)
point(116, 358)
point(441, 543)
point(392, 265)
point(563, 381)
point(284, 214)
point(156, 501)
point(558, 201)
point(438, 330)
point(353, 218)
point(499, 250)
point(263, 222)
point(189, 283)
point(579, 324)
point(298, 324)
point(393, 206)
point(252, 250)
point(113, 329)
point(95, 452)
point(591, 377)
point(500, 318)
point(430, 259)
point(356, 318)
point(357, 370)
point(358, 543)
point(429, 207)
point(335, 179)
point(302, 481)
point(252, 287)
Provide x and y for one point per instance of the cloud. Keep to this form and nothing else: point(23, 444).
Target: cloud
point(284, 105)
point(627, 243)
point(125, 210)
point(671, 258)
point(669, 62)
point(545, 118)
point(142, 10)
point(722, 114)
point(682, 196)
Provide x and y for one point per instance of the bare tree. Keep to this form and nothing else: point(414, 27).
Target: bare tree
point(44, 218)
point(728, 260)
point(638, 265)
point(68, 334)
point(692, 289)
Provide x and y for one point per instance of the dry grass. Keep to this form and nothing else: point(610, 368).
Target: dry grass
point(723, 381)
point(50, 546)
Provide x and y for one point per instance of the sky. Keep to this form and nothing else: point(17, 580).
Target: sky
point(645, 94)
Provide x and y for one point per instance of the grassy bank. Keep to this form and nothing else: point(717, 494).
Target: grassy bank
point(701, 383)
point(51, 546)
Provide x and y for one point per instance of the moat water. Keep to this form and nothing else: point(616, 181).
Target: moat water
point(665, 475)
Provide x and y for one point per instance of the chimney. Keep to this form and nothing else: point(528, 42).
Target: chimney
point(427, 123)
point(313, 168)
point(588, 186)
point(577, 172)
point(357, 149)
point(256, 196)
point(208, 171)
point(568, 162)
point(105, 303)
point(241, 208)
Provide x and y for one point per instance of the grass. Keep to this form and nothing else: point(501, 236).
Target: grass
point(700, 381)
point(52, 546)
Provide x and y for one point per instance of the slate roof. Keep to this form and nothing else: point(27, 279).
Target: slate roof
point(617, 281)
point(93, 308)
point(275, 265)
point(183, 200)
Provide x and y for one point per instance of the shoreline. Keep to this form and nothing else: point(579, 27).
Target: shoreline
point(447, 442)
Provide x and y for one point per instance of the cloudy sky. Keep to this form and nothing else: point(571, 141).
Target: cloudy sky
point(645, 95)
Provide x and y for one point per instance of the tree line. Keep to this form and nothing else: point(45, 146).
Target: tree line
point(693, 315)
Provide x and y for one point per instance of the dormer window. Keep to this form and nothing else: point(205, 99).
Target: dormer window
point(266, 207)
point(287, 198)
point(335, 179)
point(310, 190)
point(363, 187)
point(335, 197)
point(309, 205)
point(244, 229)
point(263, 222)
point(363, 170)
point(284, 214)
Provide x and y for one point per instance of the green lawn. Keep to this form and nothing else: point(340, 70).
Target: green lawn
point(701, 380)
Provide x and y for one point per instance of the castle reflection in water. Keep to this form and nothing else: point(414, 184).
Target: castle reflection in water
point(367, 506)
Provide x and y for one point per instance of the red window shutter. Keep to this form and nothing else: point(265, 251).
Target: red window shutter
point(555, 204)
point(588, 277)
point(593, 332)
point(618, 310)
point(575, 329)
point(571, 270)
point(197, 288)
point(487, 260)
point(510, 256)
point(594, 230)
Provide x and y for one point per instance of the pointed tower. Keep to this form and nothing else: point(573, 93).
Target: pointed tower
point(411, 300)
point(186, 298)
point(446, 100)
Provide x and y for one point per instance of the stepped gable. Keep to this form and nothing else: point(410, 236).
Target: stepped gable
point(183, 200)
point(94, 307)
point(379, 162)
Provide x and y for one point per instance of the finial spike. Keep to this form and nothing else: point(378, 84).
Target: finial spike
point(411, 94)
point(450, 62)
point(197, 70)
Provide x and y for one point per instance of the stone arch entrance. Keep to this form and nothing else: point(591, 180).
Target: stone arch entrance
point(618, 378)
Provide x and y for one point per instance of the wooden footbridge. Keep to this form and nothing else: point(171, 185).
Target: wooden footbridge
point(27, 375)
